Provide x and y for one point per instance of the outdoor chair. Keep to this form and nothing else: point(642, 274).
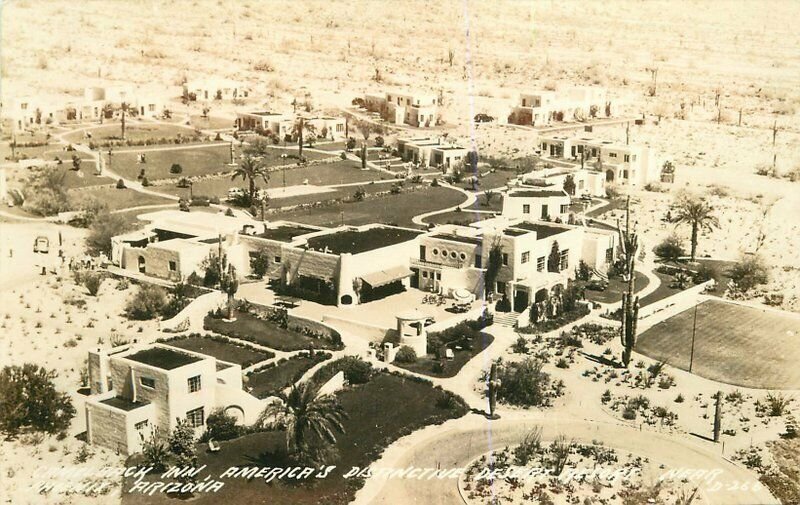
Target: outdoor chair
point(213, 446)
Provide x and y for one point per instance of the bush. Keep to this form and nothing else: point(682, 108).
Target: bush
point(104, 226)
point(379, 141)
point(220, 426)
point(705, 273)
point(356, 370)
point(92, 282)
point(145, 182)
point(524, 383)
point(530, 447)
point(406, 355)
point(147, 303)
point(671, 248)
point(29, 401)
point(749, 273)
point(175, 169)
point(120, 184)
point(259, 262)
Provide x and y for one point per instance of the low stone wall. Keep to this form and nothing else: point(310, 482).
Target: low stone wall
point(671, 305)
point(308, 327)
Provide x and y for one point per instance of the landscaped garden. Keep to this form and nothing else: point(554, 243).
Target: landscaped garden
point(736, 344)
point(376, 413)
point(460, 217)
point(222, 349)
point(195, 160)
point(119, 198)
point(614, 289)
point(134, 132)
point(273, 378)
point(272, 334)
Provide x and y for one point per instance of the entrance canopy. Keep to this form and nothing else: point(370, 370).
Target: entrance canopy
point(383, 277)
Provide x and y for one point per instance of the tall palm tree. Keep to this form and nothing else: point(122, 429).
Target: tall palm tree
point(311, 422)
point(299, 127)
point(698, 213)
point(251, 168)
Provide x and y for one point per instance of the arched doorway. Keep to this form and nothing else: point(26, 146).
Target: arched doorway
point(520, 300)
point(236, 412)
point(609, 175)
point(540, 295)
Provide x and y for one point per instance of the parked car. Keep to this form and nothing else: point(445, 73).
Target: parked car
point(483, 118)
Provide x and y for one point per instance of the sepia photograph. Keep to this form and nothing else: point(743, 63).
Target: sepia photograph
point(399, 252)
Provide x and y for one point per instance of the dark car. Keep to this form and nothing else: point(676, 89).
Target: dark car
point(483, 118)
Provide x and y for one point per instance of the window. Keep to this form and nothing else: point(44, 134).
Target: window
point(151, 107)
point(422, 252)
point(424, 274)
point(626, 158)
point(526, 256)
point(540, 264)
point(609, 255)
point(147, 382)
point(277, 259)
point(633, 157)
point(478, 261)
point(23, 106)
point(612, 155)
point(526, 209)
point(435, 251)
point(624, 174)
point(339, 128)
point(194, 383)
point(195, 417)
point(505, 259)
point(173, 266)
point(563, 262)
point(438, 276)
point(453, 254)
point(545, 212)
point(564, 208)
point(444, 253)
point(141, 425)
point(462, 256)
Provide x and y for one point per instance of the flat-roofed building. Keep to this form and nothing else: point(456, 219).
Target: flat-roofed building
point(411, 108)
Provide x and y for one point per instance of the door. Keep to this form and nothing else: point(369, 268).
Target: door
point(415, 278)
point(520, 300)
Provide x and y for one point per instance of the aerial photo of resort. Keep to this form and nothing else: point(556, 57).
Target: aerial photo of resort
point(399, 252)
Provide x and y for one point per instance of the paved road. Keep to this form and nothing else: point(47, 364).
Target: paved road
point(459, 442)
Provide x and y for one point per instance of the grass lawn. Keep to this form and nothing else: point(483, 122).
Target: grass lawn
point(211, 122)
point(616, 287)
point(492, 180)
point(270, 381)
point(463, 217)
point(425, 364)
point(739, 345)
point(662, 291)
point(249, 327)
point(379, 412)
point(133, 132)
point(495, 205)
point(618, 203)
point(225, 351)
point(197, 160)
point(85, 177)
point(324, 174)
point(118, 198)
point(389, 209)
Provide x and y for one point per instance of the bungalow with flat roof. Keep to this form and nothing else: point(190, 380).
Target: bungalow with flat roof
point(281, 125)
point(432, 152)
point(544, 107)
point(339, 266)
point(547, 203)
point(415, 109)
point(207, 89)
point(624, 164)
point(137, 389)
point(453, 257)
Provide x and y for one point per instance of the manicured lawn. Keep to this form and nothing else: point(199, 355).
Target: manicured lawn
point(199, 160)
point(616, 286)
point(662, 291)
point(323, 174)
point(619, 203)
point(492, 180)
point(356, 242)
point(378, 413)
point(463, 217)
point(119, 198)
point(249, 327)
point(495, 204)
point(211, 122)
point(133, 132)
point(739, 345)
point(225, 351)
point(425, 364)
point(270, 381)
point(390, 209)
point(85, 177)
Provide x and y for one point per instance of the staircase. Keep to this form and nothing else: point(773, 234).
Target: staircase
point(508, 319)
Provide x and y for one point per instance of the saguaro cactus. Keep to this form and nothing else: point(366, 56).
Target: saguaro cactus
point(493, 385)
point(629, 243)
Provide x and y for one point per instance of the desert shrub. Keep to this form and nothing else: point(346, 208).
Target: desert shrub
point(749, 273)
point(705, 273)
point(147, 303)
point(29, 401)
point(104, 226)
point(220, 426)
point(524, 383)
point(406, 355)
point(583, 272)
point(259, 262)
point(530, 447)
point(155, 451)
point(120, 184)
point(379, 141)
point(520, 346)
point(92, 282)
point(671, 248)
point(176, 168)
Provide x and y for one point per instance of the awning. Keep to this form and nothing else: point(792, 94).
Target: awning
point(383, 277)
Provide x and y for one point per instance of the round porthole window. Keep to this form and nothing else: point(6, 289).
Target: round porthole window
point(453, 255)
point(435, 252)
point(444, 253)
point(462, 256)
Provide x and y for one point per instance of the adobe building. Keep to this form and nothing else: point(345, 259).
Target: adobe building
point(538, 203)
point(541, 108)
point(414, 109)
point(432, 152)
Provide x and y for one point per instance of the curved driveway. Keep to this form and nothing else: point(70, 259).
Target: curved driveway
point(457, 443)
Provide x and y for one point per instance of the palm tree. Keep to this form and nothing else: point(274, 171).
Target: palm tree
point(298, 128)
point(699, 214)
point(310, 422)
point(250, 168)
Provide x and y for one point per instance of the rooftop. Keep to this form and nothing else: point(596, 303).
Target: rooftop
point(359, 241)
point(542, 230)
point(536, 193)
point(163, 357)
point(285, 233)
point(459, 238)
point(264, 113)
point(123, 403)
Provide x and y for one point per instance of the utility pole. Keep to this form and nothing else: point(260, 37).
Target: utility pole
point(694, 333)
point(774, 138)
point(627, 133)
point(124, 109)
point(718, 417)
point(740, 117)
